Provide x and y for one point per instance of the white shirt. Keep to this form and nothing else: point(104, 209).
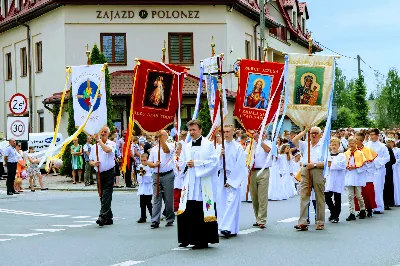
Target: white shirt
point(106, 160)
point(261, 156)
point(315, 152)
point(11, 154)
point(166, 159)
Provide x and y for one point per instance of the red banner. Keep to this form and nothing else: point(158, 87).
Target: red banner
point(258, 88)
point(157, 88)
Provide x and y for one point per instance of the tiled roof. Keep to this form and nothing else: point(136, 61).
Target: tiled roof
point(253, 5)
point(288, 3)
point(303, 8)
point(121, 85)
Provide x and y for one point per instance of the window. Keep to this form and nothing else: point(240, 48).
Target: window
point(304, 24)
point(113, 46)
point(24, 62)
point(41, 121)
point(180, 48)
point(21, 4)
point(295, 20)
point(247, 49)
point(38, 49)
point(8, 67)
point(6, 8)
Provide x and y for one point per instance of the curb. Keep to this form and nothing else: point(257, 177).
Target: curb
point(91, 190)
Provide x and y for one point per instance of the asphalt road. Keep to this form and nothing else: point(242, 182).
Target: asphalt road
point(58, 228)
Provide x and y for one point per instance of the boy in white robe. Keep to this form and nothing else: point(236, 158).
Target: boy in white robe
point(334, 186)
point(228, 191)
point(145, 190)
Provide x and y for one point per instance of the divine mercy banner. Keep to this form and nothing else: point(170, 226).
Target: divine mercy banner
point(309, 82)
point(157, 94)
point(259, 91)
point(85, 83)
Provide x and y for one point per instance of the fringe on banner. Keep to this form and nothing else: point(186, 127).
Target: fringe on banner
point(209, 219)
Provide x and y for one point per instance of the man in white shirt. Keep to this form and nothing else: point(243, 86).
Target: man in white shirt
point(259, 184)
point(163, 166)
point(88, 168)
point(312, 176)
point(10, 161)
point(105, 165)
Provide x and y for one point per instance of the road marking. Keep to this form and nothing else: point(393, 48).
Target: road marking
point(71, 225)
point(60, 216)
point(80, 217)
point(48, 230)
point(288, 220)
point(22, 235)
point(3, 240)
point(127, 263)
point(249, 231)
point(180, 249)
point(93, 222)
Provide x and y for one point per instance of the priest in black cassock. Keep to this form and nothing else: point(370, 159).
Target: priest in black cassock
point(388, 190)
point(197, 223)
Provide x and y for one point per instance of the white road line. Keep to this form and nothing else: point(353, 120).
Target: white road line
point(3, 240)
point(71, 225)
point(80, 217)
point(22, 235)
point(60, 216)
point(249, 231)
point(180, 249)
point(93, 222)
point(127, 263)
point(289, 220)
point(48, 230)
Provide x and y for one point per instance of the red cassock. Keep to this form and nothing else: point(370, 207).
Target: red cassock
point(368, 194)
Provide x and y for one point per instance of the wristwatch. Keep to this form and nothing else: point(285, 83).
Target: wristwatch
point(315, 165)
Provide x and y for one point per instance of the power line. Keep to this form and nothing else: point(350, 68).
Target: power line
point(376, 71)
point(342, 55)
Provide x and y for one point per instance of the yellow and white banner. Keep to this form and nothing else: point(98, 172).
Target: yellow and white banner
point(85, 82)
point(309, 82)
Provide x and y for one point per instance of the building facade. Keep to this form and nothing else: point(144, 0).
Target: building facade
point(38, 39)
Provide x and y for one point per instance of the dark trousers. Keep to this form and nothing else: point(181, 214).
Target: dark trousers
point(107, 184)
point(334, 208)
point(11, 171)
point(145, 201)
point(128, 175)
point(1, 169)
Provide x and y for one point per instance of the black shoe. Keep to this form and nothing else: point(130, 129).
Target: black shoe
point(169, 224)
point(44, 189)
point(362, 214)
point(226, 233)
point(358, 215)
point(109, 222)
point(330, 218)
point(387, 208)
point(256, 225)
point(308, 221)
point(15, 192)
point(378, 212)
point(183, 245)
point(154, 225)
point(335, 220)
point(351, 217)
point(141, 220)
point(10, 193)
point(87, 184)
point(100, 222)
point(92, 183)
point(200, 246)
point(369, 213)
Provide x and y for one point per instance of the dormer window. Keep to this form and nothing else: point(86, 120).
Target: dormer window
point(303, 24)
point(294, 20)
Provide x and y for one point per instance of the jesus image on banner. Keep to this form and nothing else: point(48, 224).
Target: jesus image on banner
point(157, 97)
point(308, 86)
point(158, 89)
point(257, 93)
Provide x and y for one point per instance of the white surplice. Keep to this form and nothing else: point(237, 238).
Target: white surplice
point(276, 187)
point(228, 199)
point(380, 171)
point(286, 173)
point(335, 174)
point(145, 181)
point(396, 176)
point(356, 177)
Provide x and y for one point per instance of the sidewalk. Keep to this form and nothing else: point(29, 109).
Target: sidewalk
point(63, 183)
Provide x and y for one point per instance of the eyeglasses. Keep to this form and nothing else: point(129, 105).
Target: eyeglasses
point(314, 133)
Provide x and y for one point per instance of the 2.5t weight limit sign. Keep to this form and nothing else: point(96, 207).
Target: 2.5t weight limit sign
point(18, 104)
point(17, 128)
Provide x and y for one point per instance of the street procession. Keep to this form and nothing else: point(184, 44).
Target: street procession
point(204, 132)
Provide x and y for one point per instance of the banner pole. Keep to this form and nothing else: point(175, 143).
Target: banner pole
point(221, 114)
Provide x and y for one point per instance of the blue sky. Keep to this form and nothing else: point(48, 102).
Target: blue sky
point(365, 27)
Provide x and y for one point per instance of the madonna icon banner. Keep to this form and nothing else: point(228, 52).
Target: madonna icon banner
point(85, 83)
point(157, 94)
point(309, 82)
point(260, 87)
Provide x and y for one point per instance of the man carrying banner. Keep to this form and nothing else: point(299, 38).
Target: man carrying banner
point(314, 168)
point(197, 223)
point(105, 165)
point(228, 191)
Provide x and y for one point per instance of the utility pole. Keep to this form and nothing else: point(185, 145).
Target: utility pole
point(359, 65)
point(262, 27)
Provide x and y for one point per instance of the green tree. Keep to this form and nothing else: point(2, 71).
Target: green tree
point(204, 117)
point(371, 97)
point(340, 88)
point(95, 58)
point(360, 104)
point(345, 118)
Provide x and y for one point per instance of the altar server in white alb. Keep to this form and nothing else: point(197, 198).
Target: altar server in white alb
point(334, 186)
point(228, 191)
point(145, 190)
point(379, 165)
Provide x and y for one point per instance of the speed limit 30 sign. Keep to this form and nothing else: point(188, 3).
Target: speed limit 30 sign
point(18, 104)
point(17, 128)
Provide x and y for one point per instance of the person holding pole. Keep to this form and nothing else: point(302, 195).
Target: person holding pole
point(312, 176)
point(161, 160)
point(102, 158)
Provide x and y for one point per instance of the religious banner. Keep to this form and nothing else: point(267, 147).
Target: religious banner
point(85, 82)
point(309, 82)
point(211, 66)
point(259, 91)
point(158, 93)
